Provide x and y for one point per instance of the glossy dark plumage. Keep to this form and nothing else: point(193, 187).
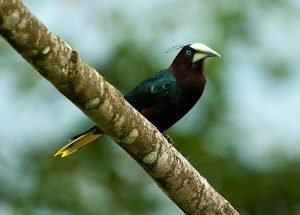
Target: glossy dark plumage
point(165, 97)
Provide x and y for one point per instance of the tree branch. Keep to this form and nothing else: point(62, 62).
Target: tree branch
point(60, 64)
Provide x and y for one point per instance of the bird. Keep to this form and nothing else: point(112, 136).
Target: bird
point(163, 98)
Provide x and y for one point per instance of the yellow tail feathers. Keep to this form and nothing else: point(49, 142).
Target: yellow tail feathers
point(79, 141)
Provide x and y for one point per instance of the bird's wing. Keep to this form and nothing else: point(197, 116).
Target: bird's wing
point(151, 91)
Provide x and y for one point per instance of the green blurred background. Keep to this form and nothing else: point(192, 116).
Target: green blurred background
point(243, 136)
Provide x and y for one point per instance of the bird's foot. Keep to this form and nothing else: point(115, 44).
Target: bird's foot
point(169, 139)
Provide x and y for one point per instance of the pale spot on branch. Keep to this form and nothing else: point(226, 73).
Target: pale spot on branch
point(130, 138)
point(150, 158)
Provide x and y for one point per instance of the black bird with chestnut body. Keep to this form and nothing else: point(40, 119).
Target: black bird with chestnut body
point(165, 97)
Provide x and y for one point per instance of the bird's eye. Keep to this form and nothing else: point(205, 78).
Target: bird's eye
point(188, 52)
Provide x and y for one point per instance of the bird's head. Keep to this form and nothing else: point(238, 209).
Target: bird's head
point(193, 55)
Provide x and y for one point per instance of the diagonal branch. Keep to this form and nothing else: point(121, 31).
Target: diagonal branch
point(60, 64)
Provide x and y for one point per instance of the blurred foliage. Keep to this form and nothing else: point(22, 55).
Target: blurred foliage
point(102, 179)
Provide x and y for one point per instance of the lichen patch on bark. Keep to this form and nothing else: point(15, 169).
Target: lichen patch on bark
point(46, 50)
point(92, 103)
point(22, 23)
point(119, 121)
point(150, 158)
point(130, 138)
point(164, 165)
point(12, 20)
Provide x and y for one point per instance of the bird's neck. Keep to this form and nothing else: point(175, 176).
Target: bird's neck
point(190, 76)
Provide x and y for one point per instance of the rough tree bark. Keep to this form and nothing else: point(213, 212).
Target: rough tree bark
point(60, 64)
